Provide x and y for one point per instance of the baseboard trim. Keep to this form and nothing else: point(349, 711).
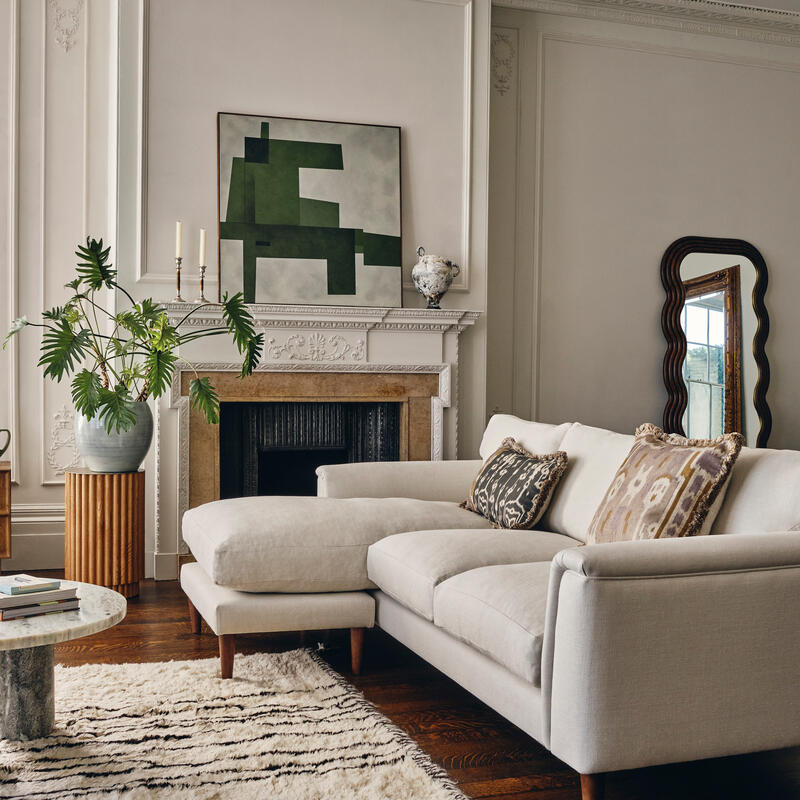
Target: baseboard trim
point(166, 566)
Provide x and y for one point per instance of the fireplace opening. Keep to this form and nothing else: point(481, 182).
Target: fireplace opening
point(282, 471)
point(276, 447)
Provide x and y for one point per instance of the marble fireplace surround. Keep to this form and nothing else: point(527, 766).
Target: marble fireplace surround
point(322, 353)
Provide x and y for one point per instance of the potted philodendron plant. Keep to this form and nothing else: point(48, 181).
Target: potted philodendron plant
point(118, 360)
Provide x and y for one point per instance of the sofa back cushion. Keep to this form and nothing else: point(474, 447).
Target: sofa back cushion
point(763, 493)
point(594, 456)
point(538, 438)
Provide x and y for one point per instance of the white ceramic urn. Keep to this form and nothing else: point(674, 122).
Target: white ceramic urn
point(432, 275)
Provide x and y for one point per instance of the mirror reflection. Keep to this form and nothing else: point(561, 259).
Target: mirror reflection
point(719, 373)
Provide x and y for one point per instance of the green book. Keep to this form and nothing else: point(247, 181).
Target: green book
point(23, 584)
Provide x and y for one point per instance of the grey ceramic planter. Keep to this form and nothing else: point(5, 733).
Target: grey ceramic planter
point(115, 452)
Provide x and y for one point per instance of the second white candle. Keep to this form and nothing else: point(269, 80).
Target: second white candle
point(202, 247)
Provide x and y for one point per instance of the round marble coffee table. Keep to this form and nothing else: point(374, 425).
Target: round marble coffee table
point(27, 706)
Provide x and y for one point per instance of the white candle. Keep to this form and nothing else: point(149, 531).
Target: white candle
point(202, 247)
point(178, 239)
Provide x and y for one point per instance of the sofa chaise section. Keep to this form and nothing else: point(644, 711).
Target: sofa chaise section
point(266, 564)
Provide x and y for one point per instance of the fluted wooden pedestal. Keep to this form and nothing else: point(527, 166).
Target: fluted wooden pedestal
point(104, 535)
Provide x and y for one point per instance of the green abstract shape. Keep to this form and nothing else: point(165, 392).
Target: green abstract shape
point(319, 212)
point(266, 213)
point(381, 250)
point(276, 194)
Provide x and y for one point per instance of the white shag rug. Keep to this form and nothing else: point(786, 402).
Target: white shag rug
point(286, 726)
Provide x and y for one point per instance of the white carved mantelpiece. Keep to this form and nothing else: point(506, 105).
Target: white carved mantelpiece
point(333, 317)
point(312, 339)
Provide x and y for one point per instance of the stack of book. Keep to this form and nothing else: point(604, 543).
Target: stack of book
point(27, 596)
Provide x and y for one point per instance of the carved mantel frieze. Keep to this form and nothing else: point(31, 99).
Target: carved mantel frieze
point(332, 317)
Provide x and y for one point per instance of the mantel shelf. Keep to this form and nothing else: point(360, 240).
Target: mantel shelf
point(353, 317)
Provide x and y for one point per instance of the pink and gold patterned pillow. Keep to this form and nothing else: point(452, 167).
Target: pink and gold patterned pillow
point(668, 486)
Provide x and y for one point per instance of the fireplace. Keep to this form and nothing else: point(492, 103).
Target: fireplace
point(275, 447)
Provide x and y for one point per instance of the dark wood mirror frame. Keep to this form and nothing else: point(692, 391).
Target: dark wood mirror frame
point(677, 395)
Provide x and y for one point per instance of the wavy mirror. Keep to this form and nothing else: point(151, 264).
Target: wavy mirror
point(716, 324)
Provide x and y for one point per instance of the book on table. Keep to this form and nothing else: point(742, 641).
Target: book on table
point(14, 600)
point(38, 609)
point(26, 584)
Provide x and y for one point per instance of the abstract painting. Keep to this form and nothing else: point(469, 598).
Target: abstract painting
point(309, 211)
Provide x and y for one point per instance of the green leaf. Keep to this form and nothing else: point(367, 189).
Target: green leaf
point(62, 349)
point(94, 270)
point(238, 320)
point(162, 335)
point(252, 355)
point(159, 366)
point(133, 323)
point(129, 375)
point(204, 398)
point(116, 409)
point(86, 388)
point(149, 310)
point(16, 326)
point(56, 313)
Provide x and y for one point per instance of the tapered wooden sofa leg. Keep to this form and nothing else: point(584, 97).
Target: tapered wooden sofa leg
point(227, 647)
point(593, 786)
point(356, 649)
point(194, 617)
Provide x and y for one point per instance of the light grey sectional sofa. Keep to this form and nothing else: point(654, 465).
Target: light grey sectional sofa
point(613, 656)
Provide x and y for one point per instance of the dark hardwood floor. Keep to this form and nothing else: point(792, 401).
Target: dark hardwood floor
point(487, 755)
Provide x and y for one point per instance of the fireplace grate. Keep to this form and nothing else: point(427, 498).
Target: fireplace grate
point(275, 447)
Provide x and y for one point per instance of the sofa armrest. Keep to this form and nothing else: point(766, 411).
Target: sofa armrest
point(672, 650)
point(423, 480)
point(690, 555)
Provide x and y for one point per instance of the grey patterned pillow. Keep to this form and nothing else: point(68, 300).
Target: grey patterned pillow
point(514, 487)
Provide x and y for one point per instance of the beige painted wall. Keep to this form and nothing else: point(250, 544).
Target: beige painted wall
point(641, 136)
point(420, 64)
point(56, 169)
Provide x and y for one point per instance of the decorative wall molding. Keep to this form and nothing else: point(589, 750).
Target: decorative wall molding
point(62, 451)
point(598, 41)
point(37, 513)
point(504, 59)
point(686, 16)
point(12, 252)
point(66, 22)
point(316, 347)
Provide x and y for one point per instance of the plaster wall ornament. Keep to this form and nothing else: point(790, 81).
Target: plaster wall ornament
point(316, 347)
point(66, 21)
point(62, 452)
point(504, 60)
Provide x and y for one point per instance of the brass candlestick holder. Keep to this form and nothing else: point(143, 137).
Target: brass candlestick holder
point(202, 298)
point(178, 298)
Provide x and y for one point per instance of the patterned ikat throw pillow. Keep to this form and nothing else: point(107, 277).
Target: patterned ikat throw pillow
point(667, 486)
point(514, 487)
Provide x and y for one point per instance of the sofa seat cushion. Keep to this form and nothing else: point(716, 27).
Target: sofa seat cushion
point(409, 566)
point(499, 610)
point(305, 544)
